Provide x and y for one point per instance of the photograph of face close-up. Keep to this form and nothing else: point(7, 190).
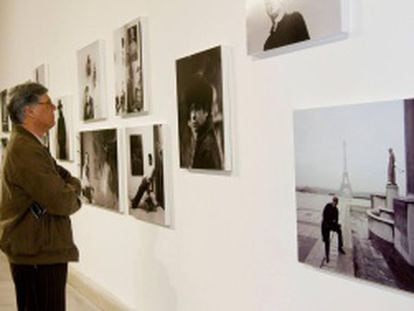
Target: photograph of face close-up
point(201, 111)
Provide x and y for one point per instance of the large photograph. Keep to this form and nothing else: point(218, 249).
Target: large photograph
point(354, 189)
point(92, 86)
point(130, 95)
point(5, 120)
point(284, 25)
point(99, 168)
point(63, 130)
point(145, 174)
point(203, 111)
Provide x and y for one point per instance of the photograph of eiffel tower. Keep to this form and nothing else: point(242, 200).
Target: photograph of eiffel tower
point(355, 190)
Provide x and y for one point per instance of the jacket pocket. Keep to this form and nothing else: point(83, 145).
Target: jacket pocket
point(59, 234)
point(25, 238)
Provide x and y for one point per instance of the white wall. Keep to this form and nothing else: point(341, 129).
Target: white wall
point(232, 243)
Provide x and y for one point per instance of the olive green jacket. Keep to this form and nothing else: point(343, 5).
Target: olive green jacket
point(30, 174)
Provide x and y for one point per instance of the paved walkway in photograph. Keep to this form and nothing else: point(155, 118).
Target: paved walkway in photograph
point(368, 258)
point(312, 249)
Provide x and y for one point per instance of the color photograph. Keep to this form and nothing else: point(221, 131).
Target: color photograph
point(354, 190)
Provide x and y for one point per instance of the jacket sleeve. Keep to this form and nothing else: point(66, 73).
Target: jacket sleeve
point(40, 179)
point(68, 178)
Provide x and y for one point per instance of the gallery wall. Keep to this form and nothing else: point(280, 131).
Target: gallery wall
point(231, 243)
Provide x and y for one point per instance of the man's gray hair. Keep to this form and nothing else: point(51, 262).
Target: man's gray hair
point(23, 95)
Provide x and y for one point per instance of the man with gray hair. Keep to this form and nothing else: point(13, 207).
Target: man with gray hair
point(38, 196)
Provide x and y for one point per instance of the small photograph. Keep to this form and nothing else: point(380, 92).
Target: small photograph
point(145, 173)
point(354, 190)
point(41, 75)
point(5, 120)
point(202, 111)
point(63, 131)
point(281, 26)
point(91, 77)
point(130, 94)
point(4, 141)
point(99, 168)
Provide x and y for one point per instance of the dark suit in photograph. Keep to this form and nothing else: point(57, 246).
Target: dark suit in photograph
point(290, 29)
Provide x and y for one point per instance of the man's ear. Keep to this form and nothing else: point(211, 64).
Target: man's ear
point(28, 111)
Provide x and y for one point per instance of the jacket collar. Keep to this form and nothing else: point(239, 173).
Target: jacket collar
point(19, 129)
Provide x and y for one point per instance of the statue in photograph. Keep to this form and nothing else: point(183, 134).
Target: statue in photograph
point(88, 66)
point(199, 96)
point(61, 133)
point(88, 108)
point(287, 28)
point(87, 189)
point(391, 167)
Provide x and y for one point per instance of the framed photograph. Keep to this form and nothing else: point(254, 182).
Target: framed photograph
point(145, 174)
point(203, 110)
point(99, 168)
point(354, 189)
point(5, 120)
point(281, 26)
point(91, 74)
point(129, 58)
point(4, 141)
point(62, 133)
point(41, 75)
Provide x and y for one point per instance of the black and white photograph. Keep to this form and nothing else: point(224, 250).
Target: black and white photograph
point(99, 168)
point(5, 120)
point(203, 110)
point(282, 26)
point(130, 94)
point(4, 141)
point(41, 75)
point(354, 190)
point(91, 75)
point(62, 132)
point(145, 173)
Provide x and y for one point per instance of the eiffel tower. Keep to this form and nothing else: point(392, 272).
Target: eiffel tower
point(345, 189)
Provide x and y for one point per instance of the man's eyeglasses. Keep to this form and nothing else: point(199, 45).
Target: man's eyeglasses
point(48, 102)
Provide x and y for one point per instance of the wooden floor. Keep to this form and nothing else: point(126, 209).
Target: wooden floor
point(75, 302)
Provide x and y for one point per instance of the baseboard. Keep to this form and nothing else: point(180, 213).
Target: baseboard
point(94, 293)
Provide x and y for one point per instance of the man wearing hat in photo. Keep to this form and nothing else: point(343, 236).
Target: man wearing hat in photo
point(199, 96)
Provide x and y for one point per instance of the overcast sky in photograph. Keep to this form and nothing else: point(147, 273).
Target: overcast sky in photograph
point(368, 130)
